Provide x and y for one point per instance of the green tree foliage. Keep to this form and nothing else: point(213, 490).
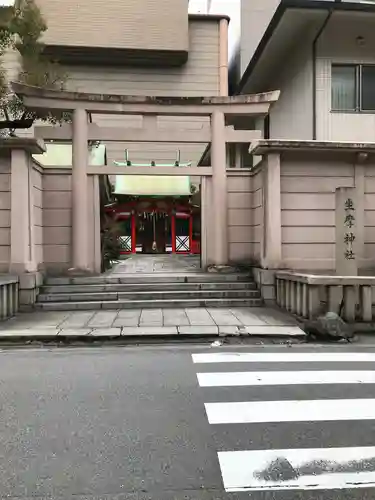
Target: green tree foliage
point(21, 29)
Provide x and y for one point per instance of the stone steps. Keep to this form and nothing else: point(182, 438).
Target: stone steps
point(143, 279)
point(149, 304)
point(149, 291)
point(146, 287)
point(151, 295)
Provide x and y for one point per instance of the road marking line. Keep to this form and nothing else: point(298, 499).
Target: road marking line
point(237, 379)
point(314, 410)
point(281, 357)
point(298, 469)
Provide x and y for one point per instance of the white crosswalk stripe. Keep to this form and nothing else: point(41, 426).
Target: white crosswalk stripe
point(276, 357)
point(257, 462)
point(291, 411)
point(237, 379)
point(303, 468)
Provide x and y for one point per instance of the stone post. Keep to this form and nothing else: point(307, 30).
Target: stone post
point(219, 184)
point(21, 213)
point(359, 176)
point(272, 213)
point(346, 232)
point(238, 155)
point(79, 192)
point(207, 222)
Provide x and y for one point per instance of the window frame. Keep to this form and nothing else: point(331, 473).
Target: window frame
point(346, 110)
point(358, 87)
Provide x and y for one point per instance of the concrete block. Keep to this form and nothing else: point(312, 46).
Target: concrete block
point(74, 332)
point(268, 292)
point(224, 317)
point(106, 332)
point(28, 281)
point(199, 317)
point(256, 274)
point(103, 319)
point(83, 306)
point(149, 331)
point(39, 279)
point(77, 320)
point(267, 277)
point(29, 332)
point(275, 331)
point(57, 281)
point(175, 317)
point(151, 317)
point(198, 330)
point(230, 330)
point(27, 297)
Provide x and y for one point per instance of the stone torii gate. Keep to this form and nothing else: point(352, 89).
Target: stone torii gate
point(219, 109)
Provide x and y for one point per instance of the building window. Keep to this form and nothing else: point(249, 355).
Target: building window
point(368, 88)
point(353, 87)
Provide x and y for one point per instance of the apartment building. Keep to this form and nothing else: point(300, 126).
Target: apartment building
point(320, 55)
point(137, 47)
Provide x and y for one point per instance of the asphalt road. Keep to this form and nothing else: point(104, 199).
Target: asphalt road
point(133, 423)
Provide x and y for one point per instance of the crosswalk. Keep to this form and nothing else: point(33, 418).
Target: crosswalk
point(258, 376)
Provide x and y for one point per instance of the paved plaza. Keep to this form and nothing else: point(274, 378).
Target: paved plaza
point(157, 263)
point(153, 322)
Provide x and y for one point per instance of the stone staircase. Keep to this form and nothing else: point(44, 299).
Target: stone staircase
point(149, 291)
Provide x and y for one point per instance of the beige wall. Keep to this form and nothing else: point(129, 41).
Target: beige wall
point(334, 48)
point(136, 24)
point(57, 220)
point(37, 214)
point(291, 116)
point(5, 206)
point(308, 209)
point(369, 216)
point(49, 222)
point(245, 212)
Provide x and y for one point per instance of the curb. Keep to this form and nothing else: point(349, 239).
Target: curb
point(88, 339)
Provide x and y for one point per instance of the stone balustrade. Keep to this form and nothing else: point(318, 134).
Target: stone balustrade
point(307, 295)
point(8, 296)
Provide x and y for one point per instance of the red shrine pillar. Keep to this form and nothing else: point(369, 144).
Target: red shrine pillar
point(173, 231)
point(134, 232)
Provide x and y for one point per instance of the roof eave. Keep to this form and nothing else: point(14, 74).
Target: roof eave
point(278, 15)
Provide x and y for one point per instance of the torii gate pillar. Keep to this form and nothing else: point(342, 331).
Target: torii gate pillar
point(79, 192)
point(219, 185)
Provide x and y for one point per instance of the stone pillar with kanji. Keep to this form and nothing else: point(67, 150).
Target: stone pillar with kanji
point(347, 253)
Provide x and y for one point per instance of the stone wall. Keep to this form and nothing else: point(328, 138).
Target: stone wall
point(37, 212)
point(4, 212)
point(308, 188)
point(245, 198)
point(369, 216)
point(57, 220)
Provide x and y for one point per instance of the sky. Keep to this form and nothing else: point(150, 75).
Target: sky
point(230, 7)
